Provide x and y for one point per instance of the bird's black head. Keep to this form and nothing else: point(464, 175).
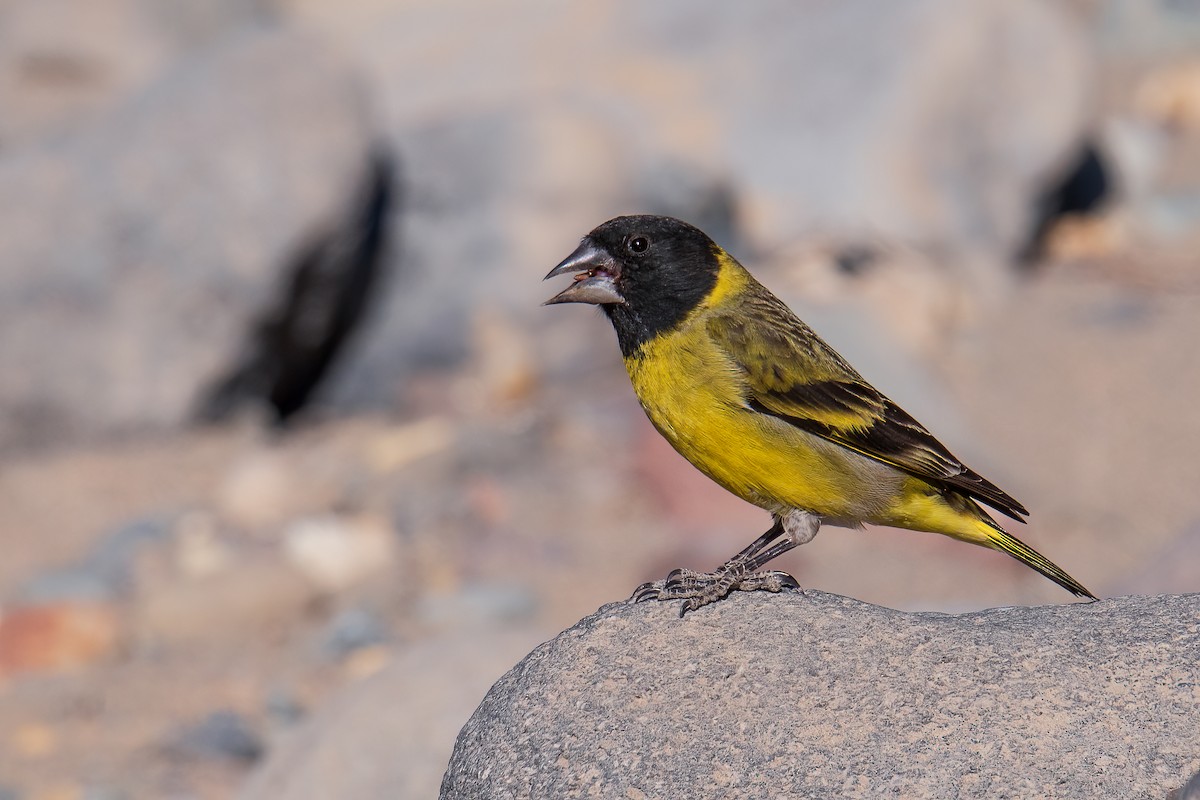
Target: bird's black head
point(646, 272)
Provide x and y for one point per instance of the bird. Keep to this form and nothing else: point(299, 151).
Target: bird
point(754, 399)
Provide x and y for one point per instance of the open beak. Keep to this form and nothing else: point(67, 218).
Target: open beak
point(595, 277)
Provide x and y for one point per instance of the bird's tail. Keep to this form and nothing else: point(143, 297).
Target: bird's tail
point(957, 515)
point(990, 534)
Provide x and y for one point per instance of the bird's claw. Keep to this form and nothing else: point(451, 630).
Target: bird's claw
point(698, 589)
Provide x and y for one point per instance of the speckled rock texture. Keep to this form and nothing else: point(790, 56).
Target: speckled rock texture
point(815, 695)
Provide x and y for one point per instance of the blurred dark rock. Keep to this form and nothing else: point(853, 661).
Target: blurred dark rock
point(295, 342)
point(1082, 188)
point(140, 252)
point(390, 735)
point(815, 695)
point(223, 735)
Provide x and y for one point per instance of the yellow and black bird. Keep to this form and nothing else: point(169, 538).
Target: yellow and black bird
point(744, 390)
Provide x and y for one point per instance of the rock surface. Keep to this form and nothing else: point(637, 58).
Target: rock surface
point(815, 695)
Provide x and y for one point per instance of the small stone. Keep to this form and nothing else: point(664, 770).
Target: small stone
point(223, 735)
point(56, 637)
point(283, 707)
point(336, 553)
point(351, 630)
point(255, 494)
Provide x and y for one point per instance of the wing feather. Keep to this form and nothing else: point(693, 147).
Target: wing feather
point(793, 375)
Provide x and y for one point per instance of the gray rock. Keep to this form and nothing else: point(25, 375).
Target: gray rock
point(139, 252)
point(1192, 790)
point(104, 573)
point(352, 629)
point(815, 695)
point(223, 735)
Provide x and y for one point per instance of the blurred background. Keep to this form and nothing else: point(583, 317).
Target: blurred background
point(280, 412)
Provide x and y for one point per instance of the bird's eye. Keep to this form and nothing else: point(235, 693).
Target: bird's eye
point(638, 244)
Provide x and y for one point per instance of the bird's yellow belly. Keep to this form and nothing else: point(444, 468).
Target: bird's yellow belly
point(694, 396)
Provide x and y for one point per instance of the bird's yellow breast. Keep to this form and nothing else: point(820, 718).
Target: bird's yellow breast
point(696, 397)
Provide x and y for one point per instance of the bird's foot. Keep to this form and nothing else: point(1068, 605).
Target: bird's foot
point(698, 589)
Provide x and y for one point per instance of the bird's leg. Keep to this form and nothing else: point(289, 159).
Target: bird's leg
point(761, 542)
point(800, 528)
point(741, 573)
